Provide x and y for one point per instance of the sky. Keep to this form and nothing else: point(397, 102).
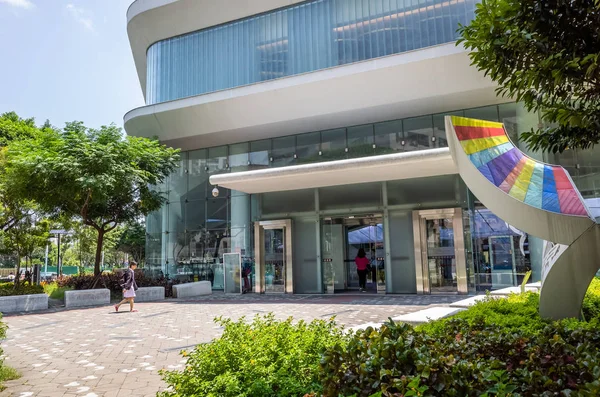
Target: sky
point(67, 60)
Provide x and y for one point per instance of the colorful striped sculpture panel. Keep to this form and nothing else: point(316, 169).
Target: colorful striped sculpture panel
point(539, 185)
point(539, 199)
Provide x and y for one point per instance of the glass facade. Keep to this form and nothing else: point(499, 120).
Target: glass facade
point(306, 37)
point(188, 236)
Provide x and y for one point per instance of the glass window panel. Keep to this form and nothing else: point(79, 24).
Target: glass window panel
point(300, 38)
point(426, 192)
point(217, 213)
point(307, 147)
point(217, 160)
point(195, 215)
point(198, 176)
point(389, 137)
point(508, 116)
point(176, 217)
point(283, 151)
point(350, 196)
point(360, 141)
point(489, 113)
point(288, 201)
point(178, 181)
point(418, 132)
point(259, 154)
point(333, 144)
point(439, 128)
point(238, 157)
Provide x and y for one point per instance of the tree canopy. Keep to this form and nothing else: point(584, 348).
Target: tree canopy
point(547, 55)
point(96, 175)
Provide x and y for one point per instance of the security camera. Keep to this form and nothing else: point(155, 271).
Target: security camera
point(215, 192)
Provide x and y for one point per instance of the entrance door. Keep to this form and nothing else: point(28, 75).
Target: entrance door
point(439, 251)
point(341, 239)
point(273, 247)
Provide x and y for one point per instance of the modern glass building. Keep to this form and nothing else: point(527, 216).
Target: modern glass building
point(320, 123)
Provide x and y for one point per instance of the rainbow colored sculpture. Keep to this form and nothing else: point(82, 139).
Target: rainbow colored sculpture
point(538, 198)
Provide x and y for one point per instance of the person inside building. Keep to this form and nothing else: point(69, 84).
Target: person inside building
point(362, 263)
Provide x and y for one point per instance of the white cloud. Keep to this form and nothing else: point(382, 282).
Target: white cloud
point(26, 4)
point(80, 15)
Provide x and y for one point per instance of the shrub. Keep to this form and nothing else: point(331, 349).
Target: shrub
point(467, 359)
point(113, 280)
point(54, 291)
point(591, 302)
point(512, 314)
point(8, 289)
point(6, 373)
point(262, 358)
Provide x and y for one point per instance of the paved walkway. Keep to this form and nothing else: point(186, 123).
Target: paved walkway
point(96, 352)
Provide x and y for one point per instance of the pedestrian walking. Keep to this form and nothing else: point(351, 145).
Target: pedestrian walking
point(129, 287)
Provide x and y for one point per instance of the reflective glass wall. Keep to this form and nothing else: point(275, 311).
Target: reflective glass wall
point(187, 237)
point(302, 38)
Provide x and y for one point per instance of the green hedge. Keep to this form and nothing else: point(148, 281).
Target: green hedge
point(262, 358)
point(8, 289)
point(499, 347)
point(6, 373)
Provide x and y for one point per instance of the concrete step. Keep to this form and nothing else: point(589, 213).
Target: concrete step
point(466, 303)
point(537, 285)
point(426, 315)
point(513, 290)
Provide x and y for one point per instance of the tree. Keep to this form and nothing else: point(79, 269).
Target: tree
point(30, 233)
point(98, 176)
point(12, 128)
point(545, 54)
point(133, 241)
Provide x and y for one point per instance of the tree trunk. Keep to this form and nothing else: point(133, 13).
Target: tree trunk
point(18, 272)
point(99, 243)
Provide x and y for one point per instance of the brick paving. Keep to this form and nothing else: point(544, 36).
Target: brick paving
point(96, 352)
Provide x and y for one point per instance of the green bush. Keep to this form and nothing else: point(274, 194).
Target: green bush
point(516, 313)
point(262, 358)
point(8, 289)
point(469, 358)
point(6, 373)
point(591, 302)
point(54, 291)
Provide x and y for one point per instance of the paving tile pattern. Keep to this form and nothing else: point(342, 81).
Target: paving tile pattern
point(95, 352)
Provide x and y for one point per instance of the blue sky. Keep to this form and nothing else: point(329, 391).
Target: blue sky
point(66, 60)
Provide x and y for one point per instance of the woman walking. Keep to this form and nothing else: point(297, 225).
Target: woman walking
point(129, 287)
point(362, 262)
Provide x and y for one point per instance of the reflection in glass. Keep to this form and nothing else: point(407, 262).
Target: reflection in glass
point(441, 259)
point(333, 144)
point(259, 154)
point(418, 132)
point(283, 151)
point(389, 137)
point(274, 260)
point(307, 147)
point(360, 141)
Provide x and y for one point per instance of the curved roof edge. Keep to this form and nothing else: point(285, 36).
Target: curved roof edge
point(149, 21)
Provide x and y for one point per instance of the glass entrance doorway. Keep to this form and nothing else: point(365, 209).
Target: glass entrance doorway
point(273, 247)
point(440, 262)
point(341, 240)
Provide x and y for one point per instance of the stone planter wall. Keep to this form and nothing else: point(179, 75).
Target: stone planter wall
point(149, 294)
point(88, 297)
point(23, 303)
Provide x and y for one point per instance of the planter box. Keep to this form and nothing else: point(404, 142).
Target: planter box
point(23, 303)
point(149, 294)
point(192, 289)
point(88, 297)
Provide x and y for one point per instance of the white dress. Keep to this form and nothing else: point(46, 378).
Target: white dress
point(130, 293)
